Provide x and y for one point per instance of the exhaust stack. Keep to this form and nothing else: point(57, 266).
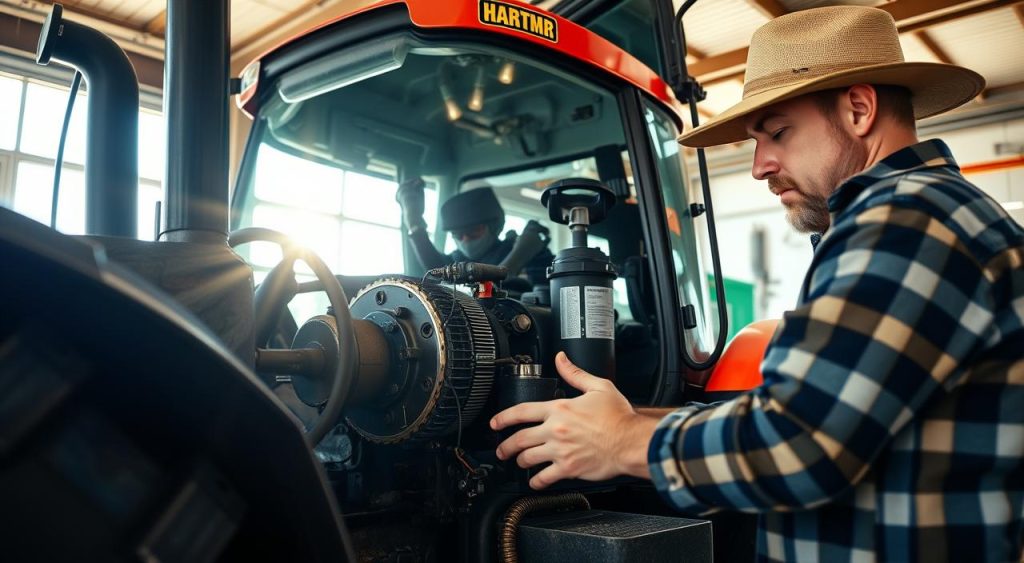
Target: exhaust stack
point(111, 151)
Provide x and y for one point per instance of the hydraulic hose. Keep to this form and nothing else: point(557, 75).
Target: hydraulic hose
point(525, 506)
point(59, 161)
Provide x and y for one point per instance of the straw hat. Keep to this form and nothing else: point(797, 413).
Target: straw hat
point(832, 47)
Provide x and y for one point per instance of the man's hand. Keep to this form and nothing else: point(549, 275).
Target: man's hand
point(410, 197)
point(595, 436)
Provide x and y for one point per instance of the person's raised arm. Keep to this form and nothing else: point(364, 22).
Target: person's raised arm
point(532, 240)
point(410, 198)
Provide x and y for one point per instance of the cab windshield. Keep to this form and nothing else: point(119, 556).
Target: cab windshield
point(334, 139)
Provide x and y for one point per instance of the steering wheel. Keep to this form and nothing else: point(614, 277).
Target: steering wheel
point(271, 300)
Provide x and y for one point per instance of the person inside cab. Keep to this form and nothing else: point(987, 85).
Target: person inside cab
point(475, 218)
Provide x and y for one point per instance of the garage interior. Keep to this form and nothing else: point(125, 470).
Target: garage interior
point(764, 255)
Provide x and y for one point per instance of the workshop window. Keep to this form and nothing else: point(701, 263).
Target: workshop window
point(349, 219)
point(30, 128)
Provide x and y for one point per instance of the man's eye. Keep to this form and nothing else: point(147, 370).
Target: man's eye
point(778, 134)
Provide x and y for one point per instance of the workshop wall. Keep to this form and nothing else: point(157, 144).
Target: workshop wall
point(744, 208)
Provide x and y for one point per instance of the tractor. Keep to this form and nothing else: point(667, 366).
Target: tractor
point(279, 377)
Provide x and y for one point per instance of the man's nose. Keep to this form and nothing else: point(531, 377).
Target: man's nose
point(765, 163)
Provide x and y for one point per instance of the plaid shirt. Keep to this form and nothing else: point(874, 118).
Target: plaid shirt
point(890, 424)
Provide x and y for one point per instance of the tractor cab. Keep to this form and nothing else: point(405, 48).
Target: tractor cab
point(312, 378)
point(504, 97)
point(559, 124)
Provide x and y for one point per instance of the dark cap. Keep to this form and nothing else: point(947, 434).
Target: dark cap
point(473, 207)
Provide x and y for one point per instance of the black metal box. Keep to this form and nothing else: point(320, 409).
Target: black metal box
point(598, 536)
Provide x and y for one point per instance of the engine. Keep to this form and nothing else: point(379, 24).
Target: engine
point(431, 357)
point(412, 460)
point(415, 454)
point(415, 459)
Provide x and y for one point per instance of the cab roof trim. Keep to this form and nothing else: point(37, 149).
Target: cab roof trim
point(573, 40)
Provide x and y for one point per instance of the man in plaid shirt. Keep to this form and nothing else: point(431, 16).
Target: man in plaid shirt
point(890, 423)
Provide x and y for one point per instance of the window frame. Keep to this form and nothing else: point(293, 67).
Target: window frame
point(6, 180)
point(707, 314)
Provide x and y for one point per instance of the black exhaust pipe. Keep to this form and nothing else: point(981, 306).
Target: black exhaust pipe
point(196, 108)
point(112, 145)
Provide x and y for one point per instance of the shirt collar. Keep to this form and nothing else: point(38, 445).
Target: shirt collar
point(926, 154)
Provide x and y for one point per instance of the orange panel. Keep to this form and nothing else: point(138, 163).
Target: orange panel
point(739, 369)
point(993, 165)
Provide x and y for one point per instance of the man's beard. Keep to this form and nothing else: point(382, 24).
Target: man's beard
point(811, 214)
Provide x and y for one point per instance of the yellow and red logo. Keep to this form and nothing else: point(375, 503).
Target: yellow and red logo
point(511, 16)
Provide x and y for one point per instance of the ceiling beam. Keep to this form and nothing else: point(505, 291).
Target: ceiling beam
point(964, 10)
point(718, 63)
point(304, 9)
point(157, 25)
point(933, 47)
point(695, 52)
point(21, 35)
point(77, 9)
point(723, 78)
point(131, 39)
point(1004, 89)
point(910, 15)
point(771, 9)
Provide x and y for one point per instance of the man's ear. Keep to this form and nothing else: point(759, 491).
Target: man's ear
point(859, 107)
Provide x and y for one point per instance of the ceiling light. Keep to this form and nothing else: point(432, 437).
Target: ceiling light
point(507, 73)
point(452, 108)
point(450, 105)
point(476, 99)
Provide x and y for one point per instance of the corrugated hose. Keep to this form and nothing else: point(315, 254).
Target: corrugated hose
point(525, 506)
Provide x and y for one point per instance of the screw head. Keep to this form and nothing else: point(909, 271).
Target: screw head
point(522, 323)
point(381, 297)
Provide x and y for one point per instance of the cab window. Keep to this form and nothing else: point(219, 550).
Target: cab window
point(333, 142)
point(687, 234)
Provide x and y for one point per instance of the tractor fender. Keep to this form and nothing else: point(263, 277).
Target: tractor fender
point(739, 368)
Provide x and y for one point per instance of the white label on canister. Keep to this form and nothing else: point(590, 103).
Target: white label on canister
point(600, 314)
point(569, 297)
